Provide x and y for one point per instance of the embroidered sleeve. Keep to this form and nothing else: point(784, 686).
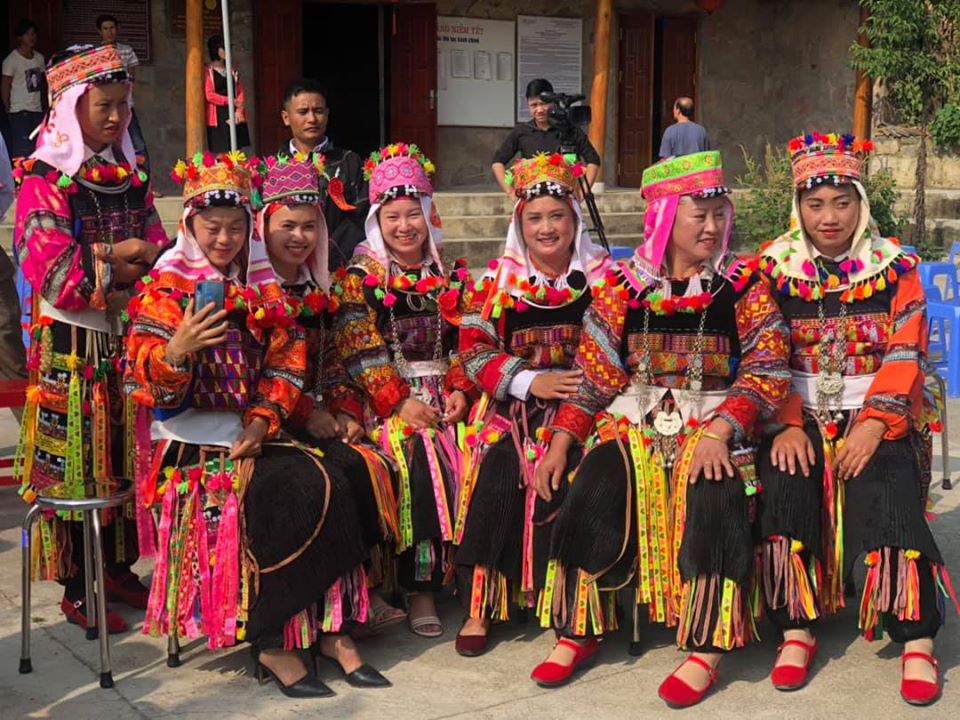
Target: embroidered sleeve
point(282, 378)
point(484, 360)
point(334, 385)
point(896, 393)
point(763, 375)
point(598, 355)
point(67, 274)
point(148, 378)
point(791, 412)
point(363, 350)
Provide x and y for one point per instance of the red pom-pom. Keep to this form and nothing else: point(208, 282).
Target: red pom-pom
point(448, 300)
point(556, 159)
point(371, 280)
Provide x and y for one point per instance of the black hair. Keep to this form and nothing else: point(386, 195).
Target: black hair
point(214, 45)
point(24, 26)
point(537, 87)
point(685, 106)
point(101, 19)
point(303, 85)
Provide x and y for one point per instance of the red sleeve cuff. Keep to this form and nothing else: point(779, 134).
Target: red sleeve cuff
point(575, 421)
point(301, 412)
point(347, 403)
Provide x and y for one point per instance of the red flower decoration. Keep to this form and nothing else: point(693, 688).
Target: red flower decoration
point(448, 300)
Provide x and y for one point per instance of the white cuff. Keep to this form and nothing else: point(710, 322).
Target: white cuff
point(520, 385)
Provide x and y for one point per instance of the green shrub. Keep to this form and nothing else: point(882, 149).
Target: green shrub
point(945, 128)
point(763, 212)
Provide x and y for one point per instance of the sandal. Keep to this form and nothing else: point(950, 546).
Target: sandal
point(382, 615)
point(417, 624)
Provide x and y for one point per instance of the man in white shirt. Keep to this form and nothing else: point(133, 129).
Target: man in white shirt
point(22, 88)
point(108, 27)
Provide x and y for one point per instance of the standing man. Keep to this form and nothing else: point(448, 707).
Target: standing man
point(539, 136)
point(23, 72)
point(108, 27)
point(684, 137)
point(306, 113)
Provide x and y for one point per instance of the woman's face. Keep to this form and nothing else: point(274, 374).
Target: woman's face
point(404, 228)
point(548, 225)
point(221, 233)
point(102, 113)
point(830, 215)
point(293, 232)
point(698, 228)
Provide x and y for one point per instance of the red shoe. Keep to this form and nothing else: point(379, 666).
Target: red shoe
point(471, 645)
point(127, 589)
point(76, 613)
point(920, 692)
point(793, 677)
point(677, 694)
point(551, 674)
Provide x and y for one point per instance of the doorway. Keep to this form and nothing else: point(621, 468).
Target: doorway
point(657, 64)
point(344, 49)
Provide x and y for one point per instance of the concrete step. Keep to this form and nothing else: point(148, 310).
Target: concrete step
point(479, 251)
point(939, 203)
point(470, 226)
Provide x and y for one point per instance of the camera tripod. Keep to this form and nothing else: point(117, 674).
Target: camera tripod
point(589, 200)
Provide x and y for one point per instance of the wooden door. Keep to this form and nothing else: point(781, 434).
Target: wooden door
point(413, 76)
point(635, 106)
point(678, 65)
point(279, 53)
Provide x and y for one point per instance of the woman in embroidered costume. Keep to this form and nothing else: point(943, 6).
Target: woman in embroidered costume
point(517, 344)
point(86, 229)
point(258, 540)
point(290, 220)
point(843, 477)
point(397, 325)
point(682, 351)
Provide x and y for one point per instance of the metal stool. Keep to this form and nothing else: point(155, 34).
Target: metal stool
point(98, 496)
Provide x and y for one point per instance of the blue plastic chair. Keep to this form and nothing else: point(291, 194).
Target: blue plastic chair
point(936, 329)
point(947, 269)
point(944, 319)
point(620, 252)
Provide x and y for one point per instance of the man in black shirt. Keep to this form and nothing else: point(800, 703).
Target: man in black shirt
point(536, 136)
point(306, 113)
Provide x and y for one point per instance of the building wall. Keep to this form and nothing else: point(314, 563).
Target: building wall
point(160, 85)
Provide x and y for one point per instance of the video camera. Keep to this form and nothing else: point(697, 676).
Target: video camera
point(563, 116)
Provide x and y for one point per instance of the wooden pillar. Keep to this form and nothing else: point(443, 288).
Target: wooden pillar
point(601, 71)
point(196, 131)
point(863, 97)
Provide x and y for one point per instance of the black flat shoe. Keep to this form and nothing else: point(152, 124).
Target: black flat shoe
point(365, 676)
point(309, 686)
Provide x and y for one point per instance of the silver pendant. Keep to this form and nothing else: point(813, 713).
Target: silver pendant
point(696, 385)
point(667, 424)
point(422, 394)
point(830, 383)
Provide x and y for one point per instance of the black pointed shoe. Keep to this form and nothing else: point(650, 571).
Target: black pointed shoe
point(309, 686)
point(365, 676)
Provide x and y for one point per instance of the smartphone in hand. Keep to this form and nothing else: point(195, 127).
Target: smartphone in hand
point(208, 291)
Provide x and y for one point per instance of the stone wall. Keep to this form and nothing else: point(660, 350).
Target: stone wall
point(159, 93)
point(898, 152)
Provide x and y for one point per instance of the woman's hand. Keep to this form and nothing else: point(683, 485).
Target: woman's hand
point(455, 407)
point(712, 455)
point(418, 414)
point(858, 447)
point(550, 469)
point(249, 442)
point(556, 385)
point(792, 449)
point(322, 425)
point(196, 331)
point(351, 430)
point(135, 250)
point(125, 272)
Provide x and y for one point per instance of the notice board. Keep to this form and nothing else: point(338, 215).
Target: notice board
point(80, 16)
point(475, 72)
point(550, 48)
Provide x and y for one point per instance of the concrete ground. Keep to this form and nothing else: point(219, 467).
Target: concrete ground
point(852, 678)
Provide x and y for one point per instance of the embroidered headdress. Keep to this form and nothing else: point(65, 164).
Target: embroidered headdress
point(699, 175)
point(514, 279)
point(872, 263)
point(817, 158)
point(227, 180)
point(398, 169)
point(295, 180)
point(70, 74)
point(544, 175)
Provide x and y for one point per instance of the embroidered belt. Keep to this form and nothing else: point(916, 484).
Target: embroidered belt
point(855, 388)
point(424, 368)
point(635, 403)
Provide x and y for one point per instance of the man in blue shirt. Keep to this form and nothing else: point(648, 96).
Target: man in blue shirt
point(684, 137)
